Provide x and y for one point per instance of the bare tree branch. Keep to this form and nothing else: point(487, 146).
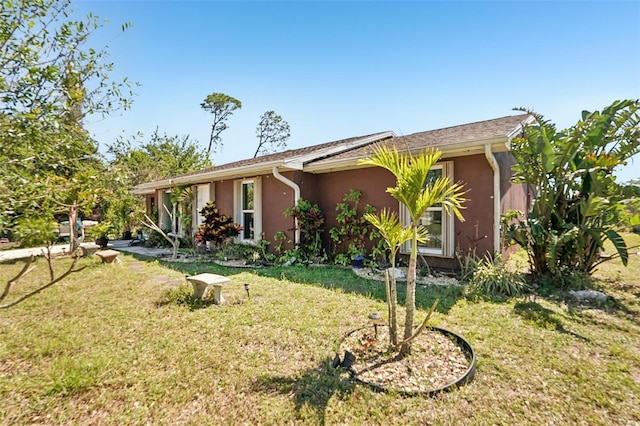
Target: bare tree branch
point(26, 269)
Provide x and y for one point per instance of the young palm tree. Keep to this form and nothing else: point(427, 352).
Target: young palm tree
point(417, 194)
point(394, 234)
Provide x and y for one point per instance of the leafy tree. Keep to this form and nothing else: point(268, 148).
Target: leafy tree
point(578, 201)
point(272, 132)
point(161, 157)
point(417, 191)
point(221, 106)
point(50, 80)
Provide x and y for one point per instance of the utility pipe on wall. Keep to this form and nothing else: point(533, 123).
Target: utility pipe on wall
point(296, 197)
point(496, 196)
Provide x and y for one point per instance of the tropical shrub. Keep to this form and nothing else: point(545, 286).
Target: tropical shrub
point(353, 232)
point(216, 227)
point(310, 220)
point(578, 202)
point(33, 232)
point(493, 278)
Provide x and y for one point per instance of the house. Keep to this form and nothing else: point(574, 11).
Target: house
point(256, 192)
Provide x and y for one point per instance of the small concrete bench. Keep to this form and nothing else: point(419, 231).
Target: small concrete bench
point(108, 256)
point(201, 282)
point(89, 249)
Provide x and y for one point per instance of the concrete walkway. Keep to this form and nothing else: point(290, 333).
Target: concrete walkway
point(123, 245)
point(61, 249)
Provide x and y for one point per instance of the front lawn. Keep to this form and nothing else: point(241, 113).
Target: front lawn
point(124, 344)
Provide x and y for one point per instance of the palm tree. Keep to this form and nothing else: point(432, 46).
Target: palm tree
point(417, 192)
point(394, 234)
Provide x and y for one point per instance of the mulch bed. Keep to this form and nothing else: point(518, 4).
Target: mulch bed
point(436, 361)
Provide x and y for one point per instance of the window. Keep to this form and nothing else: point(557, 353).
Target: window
point(203, 196)
point(437, 221)
point(248, 212)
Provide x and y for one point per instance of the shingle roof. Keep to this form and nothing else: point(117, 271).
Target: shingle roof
point(319, 158)
point(441, 138)
point(280, 156)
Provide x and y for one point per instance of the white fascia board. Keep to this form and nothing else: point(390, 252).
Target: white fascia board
point(158, 184)
point(236, 172)
point(298, 162)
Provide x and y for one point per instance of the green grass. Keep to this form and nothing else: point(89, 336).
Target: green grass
point(124, 344)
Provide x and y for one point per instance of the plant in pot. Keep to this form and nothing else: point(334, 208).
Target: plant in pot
point(100, 233)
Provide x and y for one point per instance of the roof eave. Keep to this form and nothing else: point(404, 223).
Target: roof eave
point(448, 151)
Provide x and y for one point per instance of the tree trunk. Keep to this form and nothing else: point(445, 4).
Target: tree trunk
point(73, 236)
point(410, 302)
point(392, 298)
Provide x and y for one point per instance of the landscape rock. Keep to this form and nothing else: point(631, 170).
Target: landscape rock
point(589, 295)
point(400, 275)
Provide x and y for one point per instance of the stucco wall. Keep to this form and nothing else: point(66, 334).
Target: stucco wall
point(329, 189)
point(477, 229)
point(276, 198)
point(513, 197)
point(224, 197)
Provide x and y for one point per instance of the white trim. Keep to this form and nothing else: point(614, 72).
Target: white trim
point(299, 161)
point(238, 216)
point(203, 196)
point(448, 151)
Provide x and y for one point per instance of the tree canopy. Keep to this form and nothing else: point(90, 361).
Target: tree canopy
point(272, 132)
point(161, 157)
point(222, 107)
point(50, 81)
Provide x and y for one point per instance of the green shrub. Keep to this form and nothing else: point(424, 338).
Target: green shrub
point(33, 232)
point(217, 227)
point(493, 278)
point(353, 231)
point(311, 225)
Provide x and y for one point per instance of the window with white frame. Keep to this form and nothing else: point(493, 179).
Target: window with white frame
point(438, 222)
point(203, 196)
point(248, 209)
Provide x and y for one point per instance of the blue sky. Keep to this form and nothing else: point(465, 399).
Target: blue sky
point(334, 69)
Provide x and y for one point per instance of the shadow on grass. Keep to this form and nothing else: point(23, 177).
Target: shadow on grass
point(542, 317)
point(311, 389)
point(332, 277)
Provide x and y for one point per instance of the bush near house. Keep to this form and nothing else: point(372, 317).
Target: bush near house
point(578, 203)
point(217, 227)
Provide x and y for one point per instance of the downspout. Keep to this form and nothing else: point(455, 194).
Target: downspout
point(496, 196)
point(296, 197)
